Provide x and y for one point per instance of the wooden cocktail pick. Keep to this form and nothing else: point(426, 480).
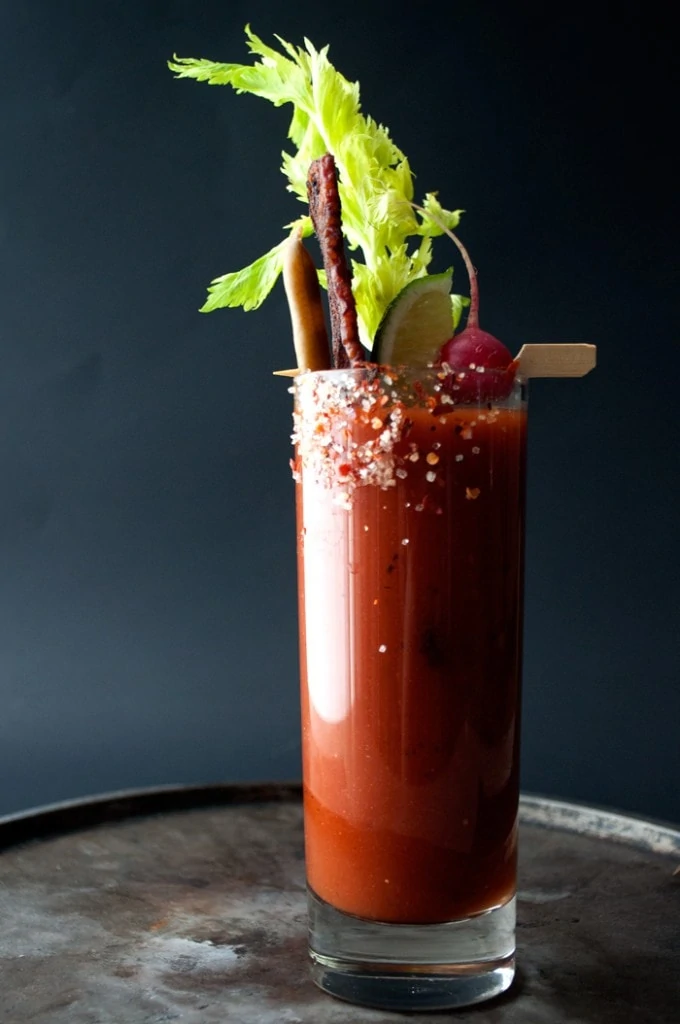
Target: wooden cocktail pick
point(565, 360)
point(568, 360)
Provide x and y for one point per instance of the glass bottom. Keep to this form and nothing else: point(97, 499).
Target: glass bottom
point(412, 967)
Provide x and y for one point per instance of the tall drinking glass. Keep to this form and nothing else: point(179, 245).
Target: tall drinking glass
point(410, 528)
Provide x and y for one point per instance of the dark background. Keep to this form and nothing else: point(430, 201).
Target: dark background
point(147, 588)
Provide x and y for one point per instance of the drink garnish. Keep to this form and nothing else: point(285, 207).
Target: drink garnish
point(388, 234)
point(390, 242)
point(301, 284)
point(325, 211)
point(416, 324)
point(479, 367)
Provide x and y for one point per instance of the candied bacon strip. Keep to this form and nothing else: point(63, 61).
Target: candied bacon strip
point(324, 208)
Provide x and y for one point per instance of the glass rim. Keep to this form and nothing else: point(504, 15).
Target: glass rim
point(430, 372)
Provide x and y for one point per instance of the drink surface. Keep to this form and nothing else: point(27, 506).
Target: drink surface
point(410, 629)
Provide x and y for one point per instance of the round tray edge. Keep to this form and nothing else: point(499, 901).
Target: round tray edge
point(85, 812)
point(600, 823)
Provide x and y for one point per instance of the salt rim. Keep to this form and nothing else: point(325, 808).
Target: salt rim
point(347, 425)
point(328, 409)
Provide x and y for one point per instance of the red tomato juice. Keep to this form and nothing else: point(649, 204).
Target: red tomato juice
point(410, 600)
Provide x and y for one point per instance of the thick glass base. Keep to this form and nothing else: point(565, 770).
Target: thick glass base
point(412, 967)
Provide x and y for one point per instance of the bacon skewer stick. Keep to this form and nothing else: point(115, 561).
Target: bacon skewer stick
point(303, 293)
point(324, 208)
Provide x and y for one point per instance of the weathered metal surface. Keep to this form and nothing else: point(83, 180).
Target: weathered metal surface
point(196, 913)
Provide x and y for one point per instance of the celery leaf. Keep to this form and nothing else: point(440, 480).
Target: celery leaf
point(375, 178)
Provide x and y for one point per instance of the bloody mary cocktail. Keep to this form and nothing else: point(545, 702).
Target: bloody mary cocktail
point(410, 470)
point(410, 548)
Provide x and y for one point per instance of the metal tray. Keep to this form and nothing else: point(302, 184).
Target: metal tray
point(187, 904)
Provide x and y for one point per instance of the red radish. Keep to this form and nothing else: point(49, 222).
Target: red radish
point(474, 351)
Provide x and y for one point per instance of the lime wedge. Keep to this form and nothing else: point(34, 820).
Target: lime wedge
point(416, 324)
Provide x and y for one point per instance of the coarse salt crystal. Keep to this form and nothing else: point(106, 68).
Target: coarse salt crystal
point(382, 648)
point(431, 476)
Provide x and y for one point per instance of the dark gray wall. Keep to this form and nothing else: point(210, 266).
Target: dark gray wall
point(147, 591)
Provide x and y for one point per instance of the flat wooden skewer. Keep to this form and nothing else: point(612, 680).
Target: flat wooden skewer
point(566, 360)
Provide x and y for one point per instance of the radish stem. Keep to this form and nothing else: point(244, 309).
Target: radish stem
point(473, 313)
